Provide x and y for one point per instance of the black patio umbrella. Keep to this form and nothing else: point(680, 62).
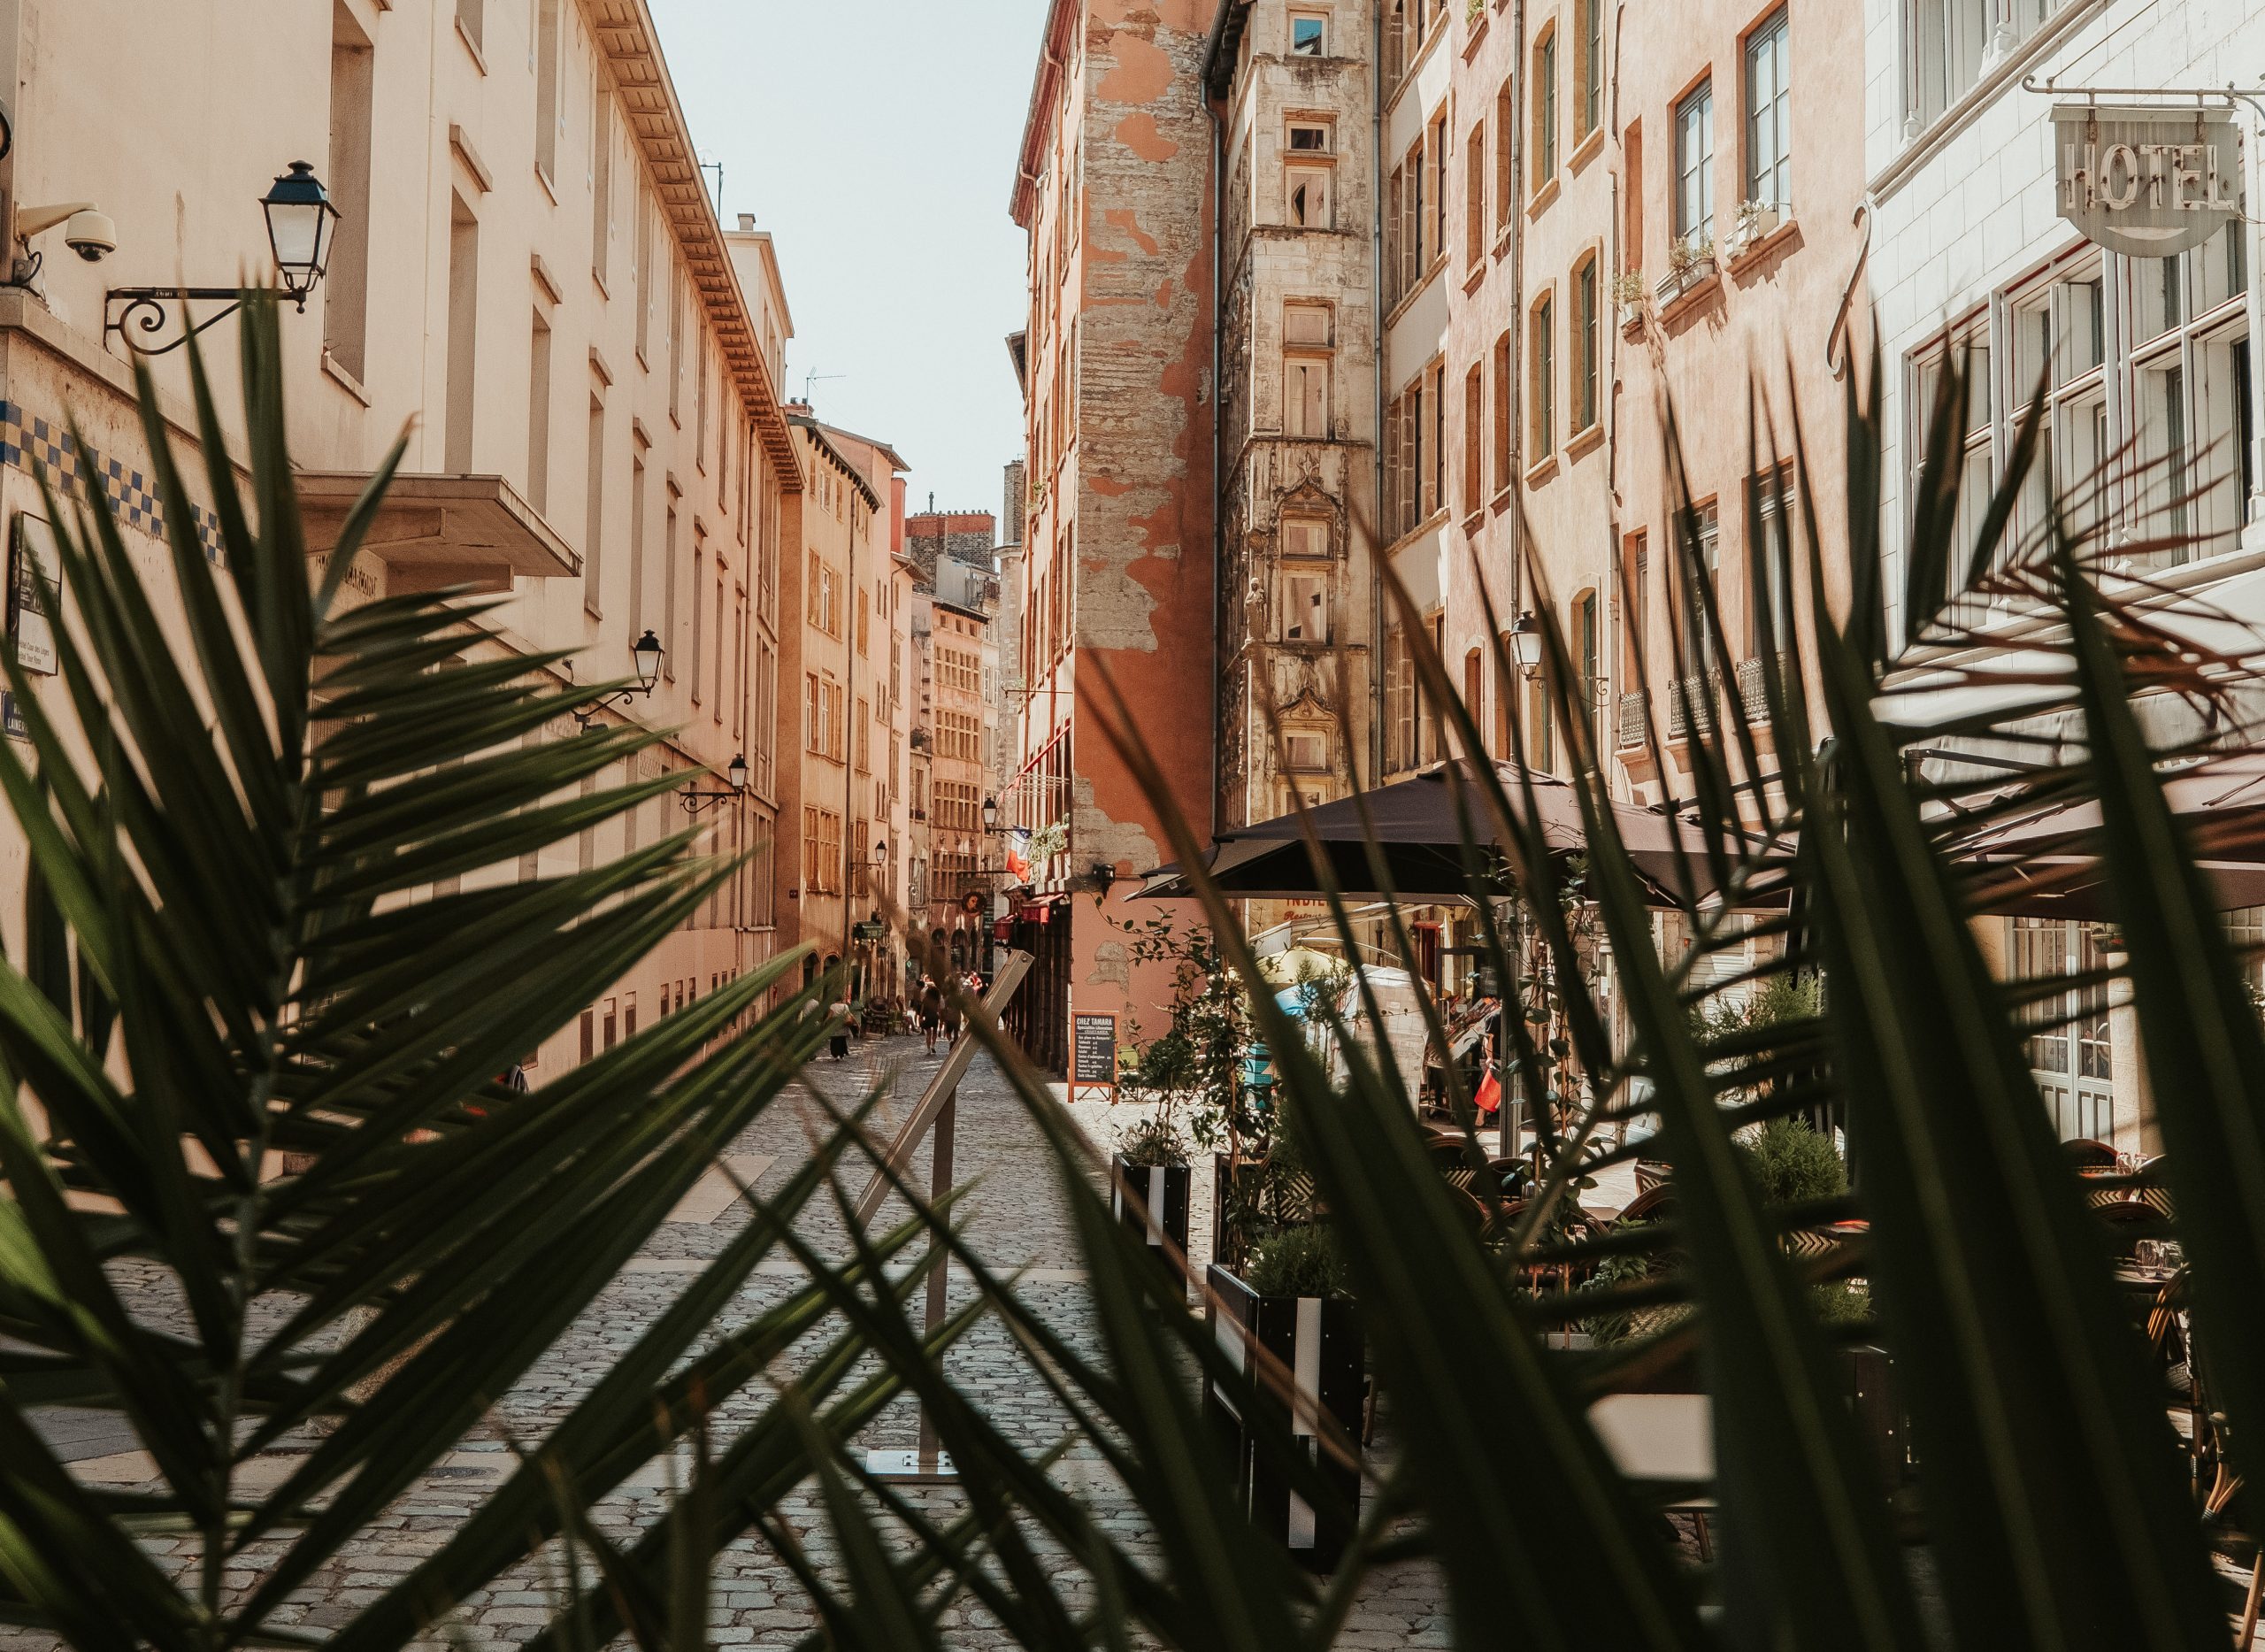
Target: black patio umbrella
point(1418, 827)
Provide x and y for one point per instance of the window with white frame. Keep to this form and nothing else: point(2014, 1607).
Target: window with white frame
point(1306, 196)
point(1947, 45)
point(1305, 536)
point(2148, 444)
point(1694, 165)
point(1308, 34)
point(1767, 116)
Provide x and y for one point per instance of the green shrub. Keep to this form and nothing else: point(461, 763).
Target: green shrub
point(1793, 1164)
point(1152, 1142)
point(1297, 1261)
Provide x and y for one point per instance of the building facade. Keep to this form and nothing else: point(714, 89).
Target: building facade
point(1114, 189)
point(534, 283)
point(1294, 92)
point(2148, 374)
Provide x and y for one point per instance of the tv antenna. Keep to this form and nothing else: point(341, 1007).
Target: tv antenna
point(815, 377)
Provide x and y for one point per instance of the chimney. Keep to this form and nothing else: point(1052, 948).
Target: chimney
point(747, 223)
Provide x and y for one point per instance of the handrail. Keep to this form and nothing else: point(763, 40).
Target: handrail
point(1007, 974)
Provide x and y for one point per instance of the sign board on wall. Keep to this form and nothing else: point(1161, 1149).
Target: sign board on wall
point(2148, 183)
point(34, 592)
point(1092, 1057)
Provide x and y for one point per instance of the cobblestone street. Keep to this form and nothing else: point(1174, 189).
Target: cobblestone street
point(1014, 1216)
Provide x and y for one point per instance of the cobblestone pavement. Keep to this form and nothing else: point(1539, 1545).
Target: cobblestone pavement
point(1014, 1216)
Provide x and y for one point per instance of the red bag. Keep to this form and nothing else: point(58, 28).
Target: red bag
point(1489, 1098)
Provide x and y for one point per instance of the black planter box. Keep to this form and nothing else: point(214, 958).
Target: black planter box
point(1153, 1201)
point(1319, 1339)
point(1229, 1192)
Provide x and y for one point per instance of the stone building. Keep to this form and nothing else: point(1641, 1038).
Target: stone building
point(526, 274)
point(958, 597)
point(1293, 90)
point(1114, 189)
point(843, 587)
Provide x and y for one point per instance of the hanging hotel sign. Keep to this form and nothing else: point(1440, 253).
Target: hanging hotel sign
point(2147, 182)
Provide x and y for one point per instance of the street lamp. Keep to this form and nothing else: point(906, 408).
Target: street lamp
point(880, 850)
point(299, 219)
point(300, 216)
point(734, 780)
point(990, 814)
point(646, 652)
point(1525, 643)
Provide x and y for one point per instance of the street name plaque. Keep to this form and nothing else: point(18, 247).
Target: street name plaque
point(2148, 183)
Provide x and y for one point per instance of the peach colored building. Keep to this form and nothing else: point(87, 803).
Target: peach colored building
point(1740, 168)
point(527, 274)
point(1114, 187)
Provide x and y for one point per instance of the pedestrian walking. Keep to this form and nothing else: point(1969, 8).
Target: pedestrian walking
point(932, 1013)
point(838, 1046)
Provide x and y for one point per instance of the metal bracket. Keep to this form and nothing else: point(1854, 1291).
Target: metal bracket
point(144, 310)
point(2231, 94)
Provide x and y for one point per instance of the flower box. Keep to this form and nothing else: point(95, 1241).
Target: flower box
point(1318, 1341)
point(1153, 1199)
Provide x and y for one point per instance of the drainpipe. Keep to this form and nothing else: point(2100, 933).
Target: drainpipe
point(850, 753)
point(1517, 399)
point(1379, 537)
point(1218, 420)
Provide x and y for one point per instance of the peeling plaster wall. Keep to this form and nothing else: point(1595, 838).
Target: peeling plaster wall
point(1143, 590)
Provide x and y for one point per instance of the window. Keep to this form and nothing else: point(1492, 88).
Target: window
point(637, 542)
point(1544, 109)
point(1540, 726)
point(1308, 34)
point(1635, 571)
point(602, 183)
point(1435, 231)
point(463, 336)
point(1306, 194)
point(1305, 395)
point(1768, 104)
point(549, 119)
point(1587, 346)
point(1474, 440)
point(865, 621)
point(1506, 169)
point(1589, 113)
point(1400, 702)
point(1588, 686)
point(1947, 42)
point(1306, 750)
point(1769, 606)
point(539, 415)
point(1694, 165)
point(346, 289)
point(825, 728)
point(1305, 536)
point(1698, 636)
point(1305, 604)
point(1541, 395)
point(821, 851)
point(862, 739)
point(1505, 439)
point(594, 518)
point(2071, 1054)
point(1309, 137)
point(668, 586)
point(1474, 206)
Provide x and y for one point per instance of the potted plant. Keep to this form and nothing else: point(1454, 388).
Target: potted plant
point(1291, 1300)
point(1149, 1181)
point(1690, 260)
point(1628, 292)
point(1756, 220)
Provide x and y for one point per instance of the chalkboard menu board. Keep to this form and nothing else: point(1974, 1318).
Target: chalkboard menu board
point(1093, 1058)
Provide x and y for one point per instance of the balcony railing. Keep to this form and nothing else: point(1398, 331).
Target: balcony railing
point(1633, 708)
point(1691, 706)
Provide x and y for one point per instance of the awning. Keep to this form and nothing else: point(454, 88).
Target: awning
point(434, 531)
point(1418, 826)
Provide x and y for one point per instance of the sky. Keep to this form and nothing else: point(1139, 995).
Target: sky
point(876, 141)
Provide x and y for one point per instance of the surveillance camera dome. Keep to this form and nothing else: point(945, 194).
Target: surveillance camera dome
point(91, 235)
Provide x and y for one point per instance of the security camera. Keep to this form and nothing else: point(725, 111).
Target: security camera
point(86, 230)
point(91, 235)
